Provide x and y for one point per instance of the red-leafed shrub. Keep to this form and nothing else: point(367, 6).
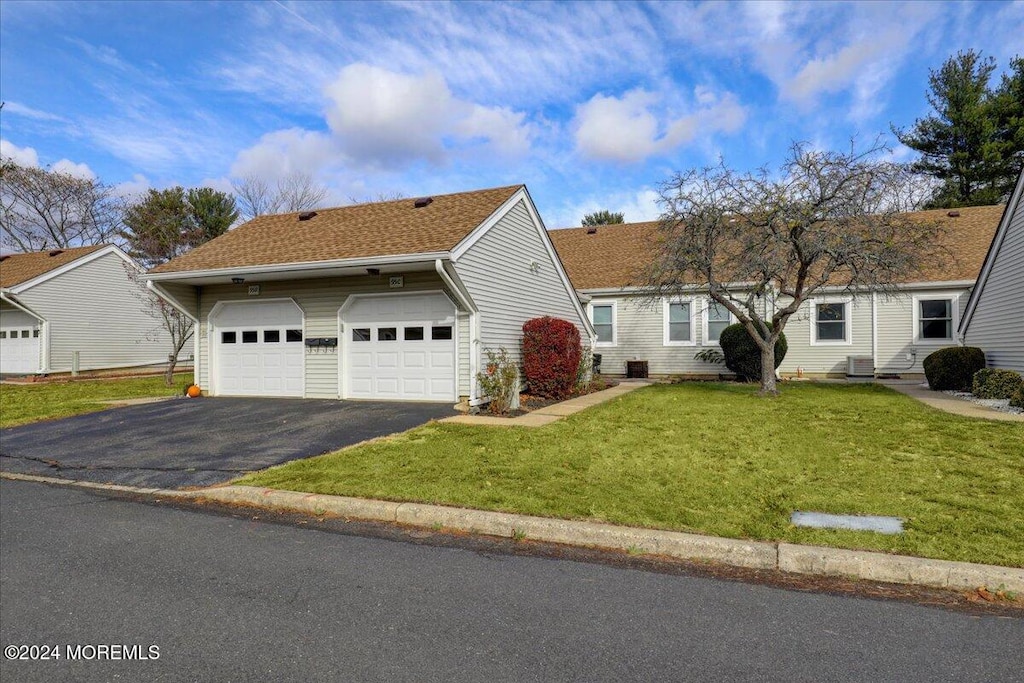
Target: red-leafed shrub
point(551, 356)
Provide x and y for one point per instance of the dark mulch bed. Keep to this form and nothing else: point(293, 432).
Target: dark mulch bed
point(529, 403)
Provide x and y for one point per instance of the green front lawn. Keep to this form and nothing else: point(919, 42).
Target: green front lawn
point(23, 403)
point(715, 459)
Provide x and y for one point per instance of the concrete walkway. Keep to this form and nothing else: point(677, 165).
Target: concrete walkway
point(552, 413)
point(950, 404)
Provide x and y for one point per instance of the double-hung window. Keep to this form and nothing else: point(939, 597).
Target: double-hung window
point(831, 323)
point(935, 318)
point(603, 318)
point(716, 318)
point(678, 322)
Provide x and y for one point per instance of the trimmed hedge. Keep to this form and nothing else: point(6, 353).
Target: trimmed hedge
point(743, 355)
point(551, 356)
point(1017, 400)
point(991, 383)
point(953, 367)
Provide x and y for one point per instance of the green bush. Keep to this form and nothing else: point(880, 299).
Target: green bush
point(953, 367)
point(499, 381)
point(742, 354)
point(1017, 400)
point(990, 383)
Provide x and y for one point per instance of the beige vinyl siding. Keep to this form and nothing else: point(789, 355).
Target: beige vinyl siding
point(496, 271)
point(828, 357)
point(185, 295)
point(639, 324)
point(96, 310)
point(997, 325)
point(897, 336)
point(319, 300)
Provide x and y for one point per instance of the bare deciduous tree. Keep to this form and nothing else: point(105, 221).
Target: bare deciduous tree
point(44, 209)
point(168, 319)
point(763, 244)
point(296, 191)
point(379, 197)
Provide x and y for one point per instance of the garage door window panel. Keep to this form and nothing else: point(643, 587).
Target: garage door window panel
point(271, 336)
point(387, 334)
point(441, 333)
point(250, 336)
point(228, 337)
point(293, 336)
point(413, 333)
point(361, 334)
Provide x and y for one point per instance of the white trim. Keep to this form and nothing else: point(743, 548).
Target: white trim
point(666, 307)
point(954, 311)
point(707, 301)
point(71, 265)
point(874, 330)
point(343, 340)
point(42, 341)
point(211, 337)
point(615, 322)
point(5, 295)
point(847, 303)
point(990, 257)
point(425, 257)
point(453, 282)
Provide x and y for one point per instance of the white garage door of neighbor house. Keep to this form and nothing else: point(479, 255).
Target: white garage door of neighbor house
point(259, 349)
point(399, 347)
point(19, 343)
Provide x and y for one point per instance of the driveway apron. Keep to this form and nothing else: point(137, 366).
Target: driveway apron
point(185, 443)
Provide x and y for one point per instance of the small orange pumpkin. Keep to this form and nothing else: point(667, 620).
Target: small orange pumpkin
point(194, 391)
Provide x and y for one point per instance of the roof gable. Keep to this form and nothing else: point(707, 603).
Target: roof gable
point(614, 256)
point(16, 269)
point(393, 228)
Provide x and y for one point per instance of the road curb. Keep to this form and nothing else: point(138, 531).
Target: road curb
point(787, 557)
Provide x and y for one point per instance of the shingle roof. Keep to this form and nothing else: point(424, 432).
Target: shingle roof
point(615, 255)
point(18, 268)
point(360, 231)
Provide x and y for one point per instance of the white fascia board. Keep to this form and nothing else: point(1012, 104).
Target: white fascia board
point(479, 231)
point(991, 255)
point(8, 296)
point(177, 305)
point(301, 267)
point(99, 253)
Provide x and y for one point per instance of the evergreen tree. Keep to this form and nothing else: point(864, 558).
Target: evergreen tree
point(602, 217)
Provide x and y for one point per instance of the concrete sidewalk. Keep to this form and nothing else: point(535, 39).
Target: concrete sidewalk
point(786, 557)
point(552, 413)
point(947, 403)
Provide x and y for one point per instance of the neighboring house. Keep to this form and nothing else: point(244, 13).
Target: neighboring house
point(886, 335)
point(994, 318)
point(394, 300)
point(57, 304)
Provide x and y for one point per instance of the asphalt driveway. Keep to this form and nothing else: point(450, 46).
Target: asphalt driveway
point(188, 443)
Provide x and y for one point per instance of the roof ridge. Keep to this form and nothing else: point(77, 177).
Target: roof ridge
point(394, 201)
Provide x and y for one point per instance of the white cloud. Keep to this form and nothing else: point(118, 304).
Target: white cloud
point(23, 156)
point(282, 152)
point(626, 130)
point(27, 156)
point(28, 112)
point(72, 169)
point(132, 188)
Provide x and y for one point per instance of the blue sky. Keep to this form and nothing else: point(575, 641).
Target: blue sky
point(592, 105)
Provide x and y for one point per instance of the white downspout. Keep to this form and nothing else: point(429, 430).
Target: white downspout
point(474, 328)
point(874, 330)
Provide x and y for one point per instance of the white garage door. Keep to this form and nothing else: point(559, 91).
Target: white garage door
point(259, 349)
point(19, 343)
point(400, 348)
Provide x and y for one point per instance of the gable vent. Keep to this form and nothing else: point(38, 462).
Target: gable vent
point(423, 201)
point(591, 231)
point(306, 215)
point(56, 252)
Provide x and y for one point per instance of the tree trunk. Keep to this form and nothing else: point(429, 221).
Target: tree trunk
point(169, 373)
point(768, 370)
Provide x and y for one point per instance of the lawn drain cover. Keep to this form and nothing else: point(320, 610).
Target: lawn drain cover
point(822, 520)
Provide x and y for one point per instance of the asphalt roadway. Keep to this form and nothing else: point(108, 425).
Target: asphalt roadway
point(192, 443)
point(233, 598)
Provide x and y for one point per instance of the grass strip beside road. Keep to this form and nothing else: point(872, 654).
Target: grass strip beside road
point(716, 459)
point(24, 403)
